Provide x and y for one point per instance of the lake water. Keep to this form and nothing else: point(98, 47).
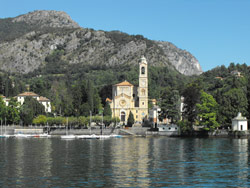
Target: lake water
point(124, 162)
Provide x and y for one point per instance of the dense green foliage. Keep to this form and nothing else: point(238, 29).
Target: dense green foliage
point(10, 30)
point(131, 119)
point(10, 114)
point(207, 111)
point(191, 96)
point(107, 110)
point(76, 90)
point(75, 122)
point(30, 109)
point(170, 105)
point(228, 87)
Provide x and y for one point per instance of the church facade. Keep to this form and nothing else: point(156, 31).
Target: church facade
point(128, 98)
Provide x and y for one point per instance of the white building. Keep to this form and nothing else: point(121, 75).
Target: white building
point(42, 100)
point(239, 123)
point(154, 114)
point(168, 127)
point(21, 97)
point(5, 100)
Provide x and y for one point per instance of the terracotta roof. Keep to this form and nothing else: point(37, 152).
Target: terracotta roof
point(26, 94)
point(124, 83)
point(108, 100)
point(2, 96)
point(43, 99)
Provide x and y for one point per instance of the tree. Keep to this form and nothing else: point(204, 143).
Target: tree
point(26, 115)
point(83, 121)
point(191, 97)
point(96, 102)
point(105, 92)
point(13, 112)
point(8, 87)
point(207, 111)
point(80, 97)
point(3, 109)
point(40, 120)
point(90, 95)
point(170, 105)
point(131, 119)
point(30, 109)
point(107, 110)
point(232, 102)
point(107, 120)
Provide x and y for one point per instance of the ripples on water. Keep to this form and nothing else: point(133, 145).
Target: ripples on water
point(124, 162)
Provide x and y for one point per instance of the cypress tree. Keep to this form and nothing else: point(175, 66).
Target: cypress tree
point(107, 110)
point(131, 119)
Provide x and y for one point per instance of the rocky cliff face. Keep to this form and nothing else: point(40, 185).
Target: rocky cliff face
point(182, 60)
point(51, 18)
point(47, 31)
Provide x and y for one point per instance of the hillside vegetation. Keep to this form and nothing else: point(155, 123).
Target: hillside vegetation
point(25, 42)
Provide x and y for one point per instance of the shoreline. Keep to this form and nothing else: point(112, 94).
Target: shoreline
point(131, 131)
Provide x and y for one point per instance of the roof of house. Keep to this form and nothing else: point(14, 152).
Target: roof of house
point(124, 83)
point(41, 98)
point(240, 117)
point(2, 96)
point(108, 100)
point(28, 94)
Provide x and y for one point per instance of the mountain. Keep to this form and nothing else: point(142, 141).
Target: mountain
point(26, 41)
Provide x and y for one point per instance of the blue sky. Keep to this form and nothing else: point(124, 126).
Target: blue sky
point(216, 32)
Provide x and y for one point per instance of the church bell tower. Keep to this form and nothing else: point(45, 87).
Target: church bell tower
point(143, 87)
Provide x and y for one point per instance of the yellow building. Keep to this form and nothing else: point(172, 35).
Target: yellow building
point(126, 97)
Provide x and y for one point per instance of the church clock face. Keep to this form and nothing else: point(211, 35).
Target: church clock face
point(122, 102)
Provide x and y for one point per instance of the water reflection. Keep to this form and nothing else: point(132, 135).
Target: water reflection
point(24, 159)
point(127, 162)
point(130, 162)
point(240, 149)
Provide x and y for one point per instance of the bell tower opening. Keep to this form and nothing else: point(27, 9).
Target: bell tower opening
point(143, 87)
point(143, 70)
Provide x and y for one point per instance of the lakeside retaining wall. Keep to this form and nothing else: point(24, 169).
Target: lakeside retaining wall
point(84, 131)
point(140, 131)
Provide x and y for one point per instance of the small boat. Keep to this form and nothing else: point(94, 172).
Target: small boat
point(67, 136)
point(115, 136)
point(44, 135)
point(104, 136)
point(92, 136)
point(23, 135)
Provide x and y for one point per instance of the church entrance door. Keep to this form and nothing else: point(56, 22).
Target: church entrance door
point(123, 116)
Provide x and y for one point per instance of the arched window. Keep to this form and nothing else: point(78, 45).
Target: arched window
point(123, 115)
point(143, 92)
point(143, 70)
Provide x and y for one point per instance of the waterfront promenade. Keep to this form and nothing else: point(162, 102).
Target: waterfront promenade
point(129, 131)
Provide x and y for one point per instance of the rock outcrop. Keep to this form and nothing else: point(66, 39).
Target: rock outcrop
point(47, 31)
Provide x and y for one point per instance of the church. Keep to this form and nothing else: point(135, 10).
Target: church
point(127, 97)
